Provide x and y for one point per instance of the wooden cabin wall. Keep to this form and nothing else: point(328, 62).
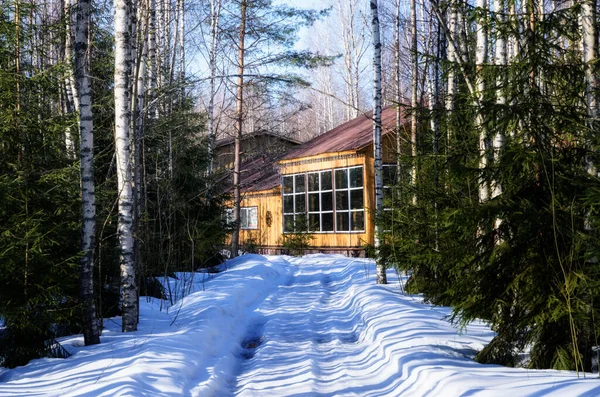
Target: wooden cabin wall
point(265, 234)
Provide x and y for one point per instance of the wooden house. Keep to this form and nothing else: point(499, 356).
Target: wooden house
point(325, 186)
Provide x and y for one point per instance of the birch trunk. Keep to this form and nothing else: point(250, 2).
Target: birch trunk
point(71, 93)
point(452, 59)
point(238, 132)
point(377, 151)
point(590, 54)
point(480, 59)
point(91, 334)
point(122, 96)
point(413, 100)
point(500, 62)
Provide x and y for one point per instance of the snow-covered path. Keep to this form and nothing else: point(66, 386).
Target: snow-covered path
point(280, 326)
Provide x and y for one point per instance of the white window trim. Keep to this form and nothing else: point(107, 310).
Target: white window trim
point(247, 210)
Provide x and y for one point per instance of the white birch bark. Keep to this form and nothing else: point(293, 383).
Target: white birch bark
point(377, 151)
point(452, 59)
point(71, 92)
point(122, 99)
point(590, 54)
point(91, 332)
point(480, 60)
point(414, 93)
point(500, 60)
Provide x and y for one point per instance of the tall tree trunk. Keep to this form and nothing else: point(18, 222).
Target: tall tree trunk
point(152, 67)
point(238, 133)
point(215, 14)
point(590, 55)
point(377, 151)
point(452, 59)
point(413, 100)
point(91, 333)
point(480, 60)
point(398, 65)
point(181, 47)
point(500, 62)
point(122, 95)
point(72, 99)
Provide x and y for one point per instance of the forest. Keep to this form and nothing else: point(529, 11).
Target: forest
point(110, 112)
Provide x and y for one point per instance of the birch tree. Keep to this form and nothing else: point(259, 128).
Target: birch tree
point(377, 150)
point(122, 96)
point(414, 92)
point(481, 52)
point(91, 332)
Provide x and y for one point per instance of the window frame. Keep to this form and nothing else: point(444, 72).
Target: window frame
point(319, 193)
point(247, 210)
point(307, 212)
point(350, 189)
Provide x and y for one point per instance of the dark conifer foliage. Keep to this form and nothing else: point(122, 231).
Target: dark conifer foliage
point(525, 259)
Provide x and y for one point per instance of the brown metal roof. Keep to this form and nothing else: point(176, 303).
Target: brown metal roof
point(261, 173)
point(257, 174)
point(352, 135)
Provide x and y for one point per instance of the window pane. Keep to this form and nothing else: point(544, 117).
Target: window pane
point(342, 221)
point(327, 222)
point(300, 203)
point(313, 182)
point(299, 180)
point(341, 200)
point(288, 204)
point(356, 199)
point(341, 179)
point(313, 202)
point(358, 220)
point(243, 218)
point(313, 222)
point(389, 175)
point(356, 177)
point(253, 218)
point(387, 196)
point(301, 223)
point(326, 180)
point(288, 184)
point(288, 223)
point(327, 201)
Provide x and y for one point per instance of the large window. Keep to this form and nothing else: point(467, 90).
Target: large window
point(349, 199)
point(324, 201)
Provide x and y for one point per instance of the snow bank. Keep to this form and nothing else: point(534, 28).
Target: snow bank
point(280, 326)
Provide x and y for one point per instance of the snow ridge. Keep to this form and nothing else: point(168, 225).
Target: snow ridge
point(280, 326)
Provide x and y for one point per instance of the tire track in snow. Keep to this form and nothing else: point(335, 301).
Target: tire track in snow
point(307, 324)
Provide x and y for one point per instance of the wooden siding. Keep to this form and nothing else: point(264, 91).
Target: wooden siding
point(264, 235)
